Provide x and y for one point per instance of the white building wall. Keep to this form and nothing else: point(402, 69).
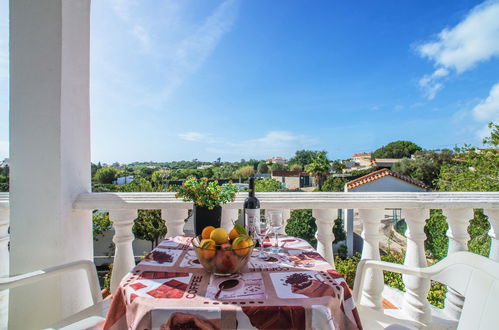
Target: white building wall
point(387, 184)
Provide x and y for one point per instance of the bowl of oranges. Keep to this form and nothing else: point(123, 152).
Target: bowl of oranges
point(223, 253)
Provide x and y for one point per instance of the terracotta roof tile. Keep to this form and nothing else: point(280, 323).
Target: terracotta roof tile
point(379, 174)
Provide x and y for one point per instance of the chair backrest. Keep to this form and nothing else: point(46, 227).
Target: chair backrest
point(477, 279)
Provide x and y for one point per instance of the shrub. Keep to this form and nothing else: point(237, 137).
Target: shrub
point(106, 175)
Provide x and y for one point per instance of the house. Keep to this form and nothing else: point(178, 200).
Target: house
point(277, 160)
point(293, 179)
point(384, 180)
point(123, 179)
point(385, 162)
point(363, 158)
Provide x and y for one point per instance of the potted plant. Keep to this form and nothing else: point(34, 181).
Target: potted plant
point(208, 197)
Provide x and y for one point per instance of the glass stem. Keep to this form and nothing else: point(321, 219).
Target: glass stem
point(276, 241)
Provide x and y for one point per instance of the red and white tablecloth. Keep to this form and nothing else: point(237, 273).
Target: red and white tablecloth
point(297, 289)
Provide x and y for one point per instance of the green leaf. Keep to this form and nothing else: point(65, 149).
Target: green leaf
point(239, 240)
point(206, 244)
point(240, 229)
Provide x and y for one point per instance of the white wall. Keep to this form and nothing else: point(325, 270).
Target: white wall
point(387, 184)
point(49, 155)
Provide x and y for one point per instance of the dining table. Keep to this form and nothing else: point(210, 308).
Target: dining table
point(294, 289)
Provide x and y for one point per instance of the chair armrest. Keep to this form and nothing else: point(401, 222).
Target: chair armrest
point(38, 275)
point(366, 264)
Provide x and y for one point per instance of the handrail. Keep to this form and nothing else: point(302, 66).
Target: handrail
point(299, 200)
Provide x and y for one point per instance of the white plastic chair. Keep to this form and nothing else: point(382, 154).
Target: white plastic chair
point(473, 276)
point(88, 318)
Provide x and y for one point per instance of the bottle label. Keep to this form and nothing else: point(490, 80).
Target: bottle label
point(251, 218)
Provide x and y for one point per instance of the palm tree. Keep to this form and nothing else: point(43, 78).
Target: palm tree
point(319, 168)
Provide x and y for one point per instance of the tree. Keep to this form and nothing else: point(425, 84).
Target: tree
point(245, 171)
point(160, 177)
point(100, 224)
point(267, 185)
point(425, 165)
point(397, 149)
point(149, 226)
point(305, 157)
point(262, 167)
point(337, 166)
point(476, 170)
point(105, 175)
point(295, 167)
point(334, 184)
point(319, 168)
point(277, 167)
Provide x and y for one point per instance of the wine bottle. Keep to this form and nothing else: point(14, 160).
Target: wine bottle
point(251, 208)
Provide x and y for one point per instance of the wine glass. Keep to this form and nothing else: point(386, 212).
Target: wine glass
point(275, 222)
point(261, 229)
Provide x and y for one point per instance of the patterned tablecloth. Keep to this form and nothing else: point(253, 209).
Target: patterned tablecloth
point(294, 290)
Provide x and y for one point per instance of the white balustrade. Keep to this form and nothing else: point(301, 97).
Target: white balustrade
point(415, 303)
point(371, 220)
point(457, 207)
point(324, 219)
point(493, 215)
point(124, 259)
point(175, 221)
point(458, 221)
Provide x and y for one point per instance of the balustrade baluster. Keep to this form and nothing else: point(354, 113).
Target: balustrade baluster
point(175, 221)
point(493, 215)
point(415, 303)
point(371, 220)
point(458, 220)
point(124, 259)
point(4, 265)
point(324, 219)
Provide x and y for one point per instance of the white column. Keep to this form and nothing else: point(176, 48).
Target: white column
point(124, 259)
point(49, 155)
point(175, 221)
point(4, 265)
point(371, 221)
point(493, 215)
point(324, 219)
point(458, 221)
point(415, 303)
point(229, 217)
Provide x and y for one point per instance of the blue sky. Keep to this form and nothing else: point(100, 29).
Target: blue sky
point(174, 80)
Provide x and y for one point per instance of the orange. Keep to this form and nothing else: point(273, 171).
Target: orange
point(233, 234)
point(208, 248)
point(219, 235)
point(241, 244)
point(207, 231)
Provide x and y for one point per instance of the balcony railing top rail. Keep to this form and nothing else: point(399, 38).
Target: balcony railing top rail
point(299, 200)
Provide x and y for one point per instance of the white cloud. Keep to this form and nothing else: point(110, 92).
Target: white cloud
point(488, 110)
point(475, 39)
point(191, 52)
point(193, 136)
point(274, 143)
point(124, 9)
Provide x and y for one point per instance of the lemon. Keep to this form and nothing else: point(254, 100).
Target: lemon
point(207, 231)
point(219, 235)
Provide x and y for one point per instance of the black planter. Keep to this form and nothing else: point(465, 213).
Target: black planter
point(203, 217)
